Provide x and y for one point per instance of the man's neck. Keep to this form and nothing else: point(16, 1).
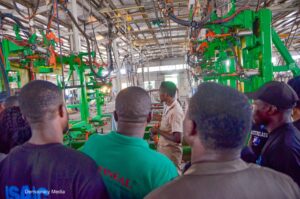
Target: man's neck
point(199, 156)
point(277, 123)
point(170, 101)
point(45, 135)
point(131, 129)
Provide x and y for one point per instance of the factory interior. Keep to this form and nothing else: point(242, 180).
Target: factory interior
point(158, 95)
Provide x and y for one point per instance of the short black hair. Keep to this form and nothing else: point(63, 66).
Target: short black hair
point(39, 100)
point(169, 88)
point(295, 84)
point(14, 130)
point(11, 101)
point(133, 104)
point(222, 116)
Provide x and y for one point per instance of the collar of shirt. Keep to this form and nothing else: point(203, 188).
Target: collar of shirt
point(127, 140)
point(280, 129)
point(167, 108)
point(210, 168)
point(28, 145)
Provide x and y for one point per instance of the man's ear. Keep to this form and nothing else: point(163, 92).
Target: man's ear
point(190, 132)
point(272, 110)
point(194, 129)
point(61, 110)
point(149, 117)
point(24, 118)
point(116, 116)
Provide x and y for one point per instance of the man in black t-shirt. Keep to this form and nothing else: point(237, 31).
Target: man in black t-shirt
point(273, 105)
point(43, 167)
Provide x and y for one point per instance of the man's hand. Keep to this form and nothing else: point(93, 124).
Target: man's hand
point(154, 130)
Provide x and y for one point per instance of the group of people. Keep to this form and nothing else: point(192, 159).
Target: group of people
point(120, 164)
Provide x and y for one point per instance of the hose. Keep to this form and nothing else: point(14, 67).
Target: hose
point(16, 20)
point(50, 18)
point(102, 78)
point(20, 13)
point(194, 24)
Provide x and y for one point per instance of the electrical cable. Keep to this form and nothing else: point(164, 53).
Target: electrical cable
point(29, 16)
point(94, 35)
point(220, 21)
point(50, 18)
point(200, 24)
point(258, 3)
point(224, 20)
point(102, 78)
point(17, 42)
point(97, 47)
point(16, 20)
point(60, 47)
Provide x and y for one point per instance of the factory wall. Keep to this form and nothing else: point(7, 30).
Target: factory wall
point(158, 77)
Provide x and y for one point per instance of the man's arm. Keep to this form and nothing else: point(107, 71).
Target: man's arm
point(174, 136)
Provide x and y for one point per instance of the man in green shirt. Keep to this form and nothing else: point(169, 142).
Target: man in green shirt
point(130, 169)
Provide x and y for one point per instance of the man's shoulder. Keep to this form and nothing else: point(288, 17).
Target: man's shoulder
point(178, 108)
point(289, 141)
point(157, 160)
point(177, 111)
point(96, 140)
point(270, 174)
point(57, 154)
point(253, 174)
point(168, 189)
point(158, 156)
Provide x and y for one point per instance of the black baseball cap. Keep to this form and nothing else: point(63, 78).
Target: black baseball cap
point(278, 94)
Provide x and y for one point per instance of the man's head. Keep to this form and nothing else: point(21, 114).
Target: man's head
point(133, 106)
point(167, 90)
point(11, 101)
point(14, 130)
point(295, 84)
point(218, 116)
point(273, 102)
point(41, 102)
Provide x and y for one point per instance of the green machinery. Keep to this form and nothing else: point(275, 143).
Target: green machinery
point(90, 91)
point(38, 57)
point(235, 49)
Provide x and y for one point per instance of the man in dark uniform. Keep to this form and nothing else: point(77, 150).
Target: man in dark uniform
point(273, 105)
point(295, 84)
